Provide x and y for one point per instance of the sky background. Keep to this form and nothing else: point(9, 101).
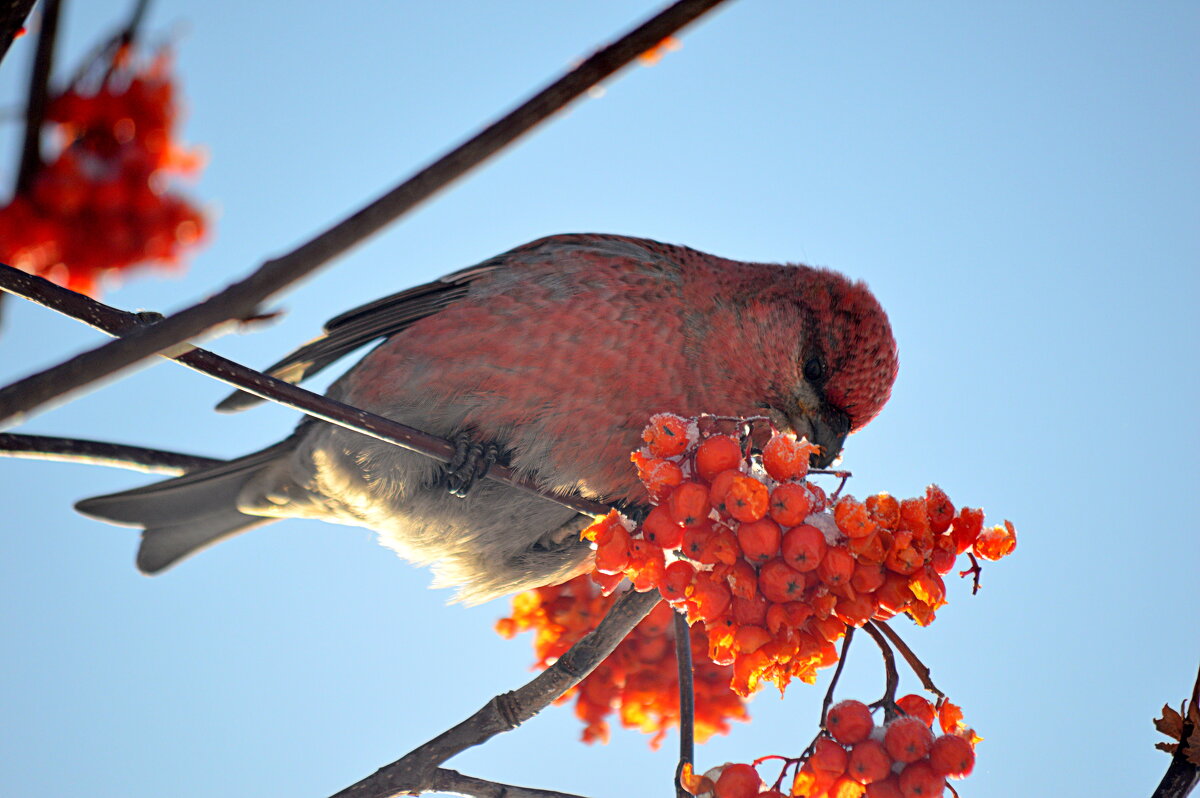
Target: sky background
point(1019, 183)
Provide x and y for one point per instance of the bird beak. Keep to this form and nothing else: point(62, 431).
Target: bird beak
point(827, 428)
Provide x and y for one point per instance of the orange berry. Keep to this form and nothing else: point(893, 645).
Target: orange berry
point(677, 578)
point(719, 488)
point(966, 528)
point(779, 582)
point(950, 716)
point(895, 595)
point(951, 756)
point(695, 538)
point(748, 639)
point(907, 739)
point(613, 556)
point(919, 781)
point(661, 529)
point(997, 542)
point(752, 610)
point(711, 597)
point(720, 547)
point(790, 504)
point(852, 518)
point(747, 499)
point(742, 579)
point(918, 707)
point(658, 475)
point(855, 611)
point(868, 577)
point(666, 435)
point(689, 504)
point(849, 722)
point(887, 788)
point(759, 540)
point(804, 547)
point(884, 510)
point(938, 509)
point(828, 757)
point(786, 458)
point(716, 454)
point(738, 781)
point(904, 560)
point(837, 566)
point(869, 762)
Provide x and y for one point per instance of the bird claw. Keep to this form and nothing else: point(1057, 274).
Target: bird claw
point(470, 463)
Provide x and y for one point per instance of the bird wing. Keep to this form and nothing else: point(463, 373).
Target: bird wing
point(364, 324)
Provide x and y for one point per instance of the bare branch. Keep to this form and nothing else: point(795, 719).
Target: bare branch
point(13, 14)
point(888, 701)
point(914, 662)
point(242, 299)
point(687, 700)
point(38, 97)
point(115, 455)
point(415, 772)
point(451, 781)
point(115, 322)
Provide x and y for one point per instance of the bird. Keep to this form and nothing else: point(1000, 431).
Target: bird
point(551, 358)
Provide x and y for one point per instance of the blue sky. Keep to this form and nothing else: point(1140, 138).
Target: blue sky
point(1017, 182)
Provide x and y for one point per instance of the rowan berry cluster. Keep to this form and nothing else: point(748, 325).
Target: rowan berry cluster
point(103, 204)
point(855, 757)
point(639, 680)
point(775, 568)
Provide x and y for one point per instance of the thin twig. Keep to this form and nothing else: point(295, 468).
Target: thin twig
point(453, 782)
point(837, 674)
point(12, 19)
point(242, 299)
point(914, 662)
point(114, 455)
point(687, 700)
point(117, 322)
point(888, 701)
point(38, 97)
point(414, 773)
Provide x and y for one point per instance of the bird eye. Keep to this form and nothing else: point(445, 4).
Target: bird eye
point(814, 370)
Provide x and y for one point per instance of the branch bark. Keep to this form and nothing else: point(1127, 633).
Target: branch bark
point(415, 773)
point(38, 97)
point(242, 299)
point(115, 455)
point(13, 14)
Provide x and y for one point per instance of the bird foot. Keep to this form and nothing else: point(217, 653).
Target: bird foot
point(470, 463)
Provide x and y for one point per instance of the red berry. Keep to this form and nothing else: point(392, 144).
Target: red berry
point(786, 458)
point(747, 499)
point(716, 454)
point(837, 566)
point(869, 762)
point(666, 435)
point(790, 504)
point(828, 757)
point(888, 788)
point(849, 722)
point(661, 529)
point(738, 781)
point(759, 540)
point(952, 756)
point(676, 579)
point(919, 781)
point(780, 583)
point(917, 707)
point(689, 504)
point(907, 739)
point(804, 547)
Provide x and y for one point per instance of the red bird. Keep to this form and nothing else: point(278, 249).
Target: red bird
point(553, 356)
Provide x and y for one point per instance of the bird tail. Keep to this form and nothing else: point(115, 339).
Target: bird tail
point(181, 516)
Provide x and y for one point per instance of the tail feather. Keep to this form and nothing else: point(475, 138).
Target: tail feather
point(184, 515)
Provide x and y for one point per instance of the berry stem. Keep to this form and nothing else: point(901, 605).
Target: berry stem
point(975, 570)
point(837, 673)
point(914, 662)
point(687, 700)
point(888, 701)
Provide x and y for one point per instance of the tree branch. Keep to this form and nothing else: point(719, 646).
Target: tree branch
point(38, 97)
point(243, 298)
point(13, 14)
point(116, 455)
point(1182, 776)
point(452, 781)
point(117, 322)
point(415, 772)
point(919, 668)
